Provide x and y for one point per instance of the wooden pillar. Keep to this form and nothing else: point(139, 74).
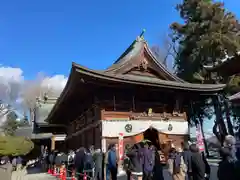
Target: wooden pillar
point(133, 104)
point(53, 143)
point(114, 102)
point(178, 104)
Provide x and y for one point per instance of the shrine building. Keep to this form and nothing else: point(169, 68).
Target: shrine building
point(137, 96)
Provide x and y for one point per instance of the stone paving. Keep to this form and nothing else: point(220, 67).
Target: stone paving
point(39, 176)
point(35, 174)
point(166, 175)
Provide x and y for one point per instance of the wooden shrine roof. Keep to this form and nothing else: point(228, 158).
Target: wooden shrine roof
point(131, 69)
point(43, 108)
point(143, 80)
point(137, 51)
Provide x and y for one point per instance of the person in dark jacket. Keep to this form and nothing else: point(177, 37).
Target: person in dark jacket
point(157, 168)
point(45, 162)
point(198, 166)
point(112, 162)
point(207, 167)
point(187, 159)
point(230, 142)
point(58, 159)
point(64, 158)
point(51, 160)
point(135, 157)
point(228, 168)
point(153, 150)
point(19, 162)
point(70, 164)
point(98, 160)
point(42, 151)
point(88, 161)
point(79, 161)
point(147, 163)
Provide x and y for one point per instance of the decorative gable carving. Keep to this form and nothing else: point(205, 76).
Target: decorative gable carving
point(143, 64)
point(138, 59)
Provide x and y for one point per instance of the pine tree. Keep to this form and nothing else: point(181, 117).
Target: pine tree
point(208, 33)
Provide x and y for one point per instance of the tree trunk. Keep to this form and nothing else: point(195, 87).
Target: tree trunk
point(219, 119)
point(229, 123)
point(203, 135)
point(216, 133)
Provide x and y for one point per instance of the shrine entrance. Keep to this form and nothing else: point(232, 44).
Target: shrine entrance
point(151, 134)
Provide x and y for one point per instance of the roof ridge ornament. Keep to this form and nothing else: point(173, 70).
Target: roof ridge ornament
point(141, 36)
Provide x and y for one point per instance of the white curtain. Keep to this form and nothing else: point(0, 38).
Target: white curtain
point(112, 128)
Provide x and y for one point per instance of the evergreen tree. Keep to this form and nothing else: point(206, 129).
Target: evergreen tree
point(209, 33)
point(11, 124)
point(15, 146)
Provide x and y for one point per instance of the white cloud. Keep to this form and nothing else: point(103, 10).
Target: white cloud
point(56, 82)
point(13, 87)
point(11, 74)
point(12, 82)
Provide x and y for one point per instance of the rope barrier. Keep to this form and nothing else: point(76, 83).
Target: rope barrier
point(62, 173)
point(82, 174)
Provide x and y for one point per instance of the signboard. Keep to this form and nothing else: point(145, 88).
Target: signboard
point(199, 135)
point(120, 146)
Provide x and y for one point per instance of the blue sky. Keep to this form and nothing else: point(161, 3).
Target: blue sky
point(47, 35)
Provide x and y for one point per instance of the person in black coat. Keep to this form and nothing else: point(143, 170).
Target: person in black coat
point(207, 167)
point(198, 165)
point(157, 169)
point(228, 168)
point(98, 159)
point(79, 161)
point(135, 167)
point(187, 159)
point(51, 158)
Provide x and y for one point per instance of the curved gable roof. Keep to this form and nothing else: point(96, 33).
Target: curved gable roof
point(111, 75)
point(137, 48)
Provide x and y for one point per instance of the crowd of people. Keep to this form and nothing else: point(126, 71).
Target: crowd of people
point(16, 162)
point(142, 162)
point(77, 162)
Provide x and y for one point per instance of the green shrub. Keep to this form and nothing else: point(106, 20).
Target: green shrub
point(14, 146)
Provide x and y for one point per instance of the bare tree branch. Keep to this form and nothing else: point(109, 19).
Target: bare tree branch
point(37, 88)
